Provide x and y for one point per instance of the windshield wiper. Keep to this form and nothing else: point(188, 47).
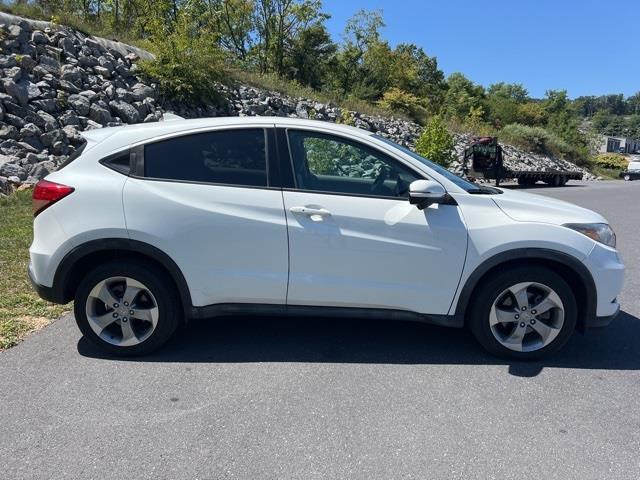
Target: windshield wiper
point(486, 191)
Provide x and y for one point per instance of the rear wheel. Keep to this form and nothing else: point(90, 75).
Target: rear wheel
point(524, 313)
point(127, 308)
point(627, 177)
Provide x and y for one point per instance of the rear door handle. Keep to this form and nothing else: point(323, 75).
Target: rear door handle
point(310, 211)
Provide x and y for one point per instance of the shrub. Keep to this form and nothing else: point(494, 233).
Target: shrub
point(436, 143)
point(398, 100)
point(535, 139)
point(611, 160)
point(188, 65)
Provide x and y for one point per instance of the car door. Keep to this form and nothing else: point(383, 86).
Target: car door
point(207, 201)
point(354, 238)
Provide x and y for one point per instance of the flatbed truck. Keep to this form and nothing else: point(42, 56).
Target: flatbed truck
point(483, 159)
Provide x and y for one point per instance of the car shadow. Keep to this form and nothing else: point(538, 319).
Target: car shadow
point(309, 340)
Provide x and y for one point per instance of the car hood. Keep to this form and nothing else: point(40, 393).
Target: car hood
point(527, 207)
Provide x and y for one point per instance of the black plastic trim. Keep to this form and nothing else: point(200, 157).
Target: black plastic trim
point(49, 294)
point(60, 291)
point(600, 322)
point(231, 309)
point(589, 308)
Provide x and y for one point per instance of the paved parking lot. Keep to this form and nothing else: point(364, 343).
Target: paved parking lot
point(299, 398)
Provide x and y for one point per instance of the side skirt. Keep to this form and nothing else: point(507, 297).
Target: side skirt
point(231, 309)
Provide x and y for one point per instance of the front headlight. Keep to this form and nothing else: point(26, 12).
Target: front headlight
point(600, 232)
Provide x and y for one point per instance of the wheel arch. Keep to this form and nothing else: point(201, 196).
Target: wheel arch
point(76, 263)
point(572, 270)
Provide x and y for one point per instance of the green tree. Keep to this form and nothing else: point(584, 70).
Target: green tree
point(310, 56)
point(188, 61)
point(436, 143)
point(462, 96)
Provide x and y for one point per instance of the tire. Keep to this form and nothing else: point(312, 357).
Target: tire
point(563, 181)
point(153, 304)
point(494, 300)
point(627, 178)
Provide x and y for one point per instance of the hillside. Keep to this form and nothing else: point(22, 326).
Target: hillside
point(57, 82)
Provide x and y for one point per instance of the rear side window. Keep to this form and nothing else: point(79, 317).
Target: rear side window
point(119, 162)
point(232, 157)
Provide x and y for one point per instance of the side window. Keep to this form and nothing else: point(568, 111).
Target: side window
point(332, 164)
point(232, 157)
point(118, 162)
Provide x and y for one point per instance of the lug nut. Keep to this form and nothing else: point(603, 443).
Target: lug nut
point(533, 312)
point(115, 305)
point(523, 308)
point(125, 319)
point(532, 322)
point(115, 315)
point(517, 316)
point(126, 304)
point(131, 312)
point(522, 324)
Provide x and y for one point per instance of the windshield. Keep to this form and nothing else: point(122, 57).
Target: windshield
point(459, 181)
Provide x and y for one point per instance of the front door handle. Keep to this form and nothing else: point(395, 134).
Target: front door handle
point(310, 211)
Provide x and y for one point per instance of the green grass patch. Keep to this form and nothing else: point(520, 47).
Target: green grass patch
point(286, 87)
point(21, 310)
point(606, 173)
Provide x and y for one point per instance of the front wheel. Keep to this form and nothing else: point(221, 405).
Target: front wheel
point(524, 313)
point(127, 308)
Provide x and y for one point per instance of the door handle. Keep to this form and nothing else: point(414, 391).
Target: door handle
point(310, 211)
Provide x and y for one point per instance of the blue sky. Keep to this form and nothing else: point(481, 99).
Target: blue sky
point(587, 47)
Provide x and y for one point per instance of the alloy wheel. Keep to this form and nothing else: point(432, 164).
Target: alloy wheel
point(527, 317)
point(122, 311)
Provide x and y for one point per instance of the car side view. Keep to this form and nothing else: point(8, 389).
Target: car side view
point(147, 226)
point(632, 172)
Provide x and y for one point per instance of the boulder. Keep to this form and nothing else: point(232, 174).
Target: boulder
point(126, 112)
point(99, 114)
point(17, 90)
point(79, 103)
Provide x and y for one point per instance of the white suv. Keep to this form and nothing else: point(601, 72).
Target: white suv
point(154, 224)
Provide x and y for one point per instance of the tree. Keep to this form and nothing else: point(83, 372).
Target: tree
point(310, 55)
point(436, 143)
point(363, 62)
point(417, 73)
point(462, 96)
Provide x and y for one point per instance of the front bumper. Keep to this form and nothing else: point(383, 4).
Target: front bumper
point(607, 271)
point(600, 322)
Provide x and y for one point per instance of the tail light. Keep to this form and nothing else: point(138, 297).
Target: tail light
point(47, 193)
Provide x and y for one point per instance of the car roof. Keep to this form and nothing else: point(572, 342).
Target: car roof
point(140, 132)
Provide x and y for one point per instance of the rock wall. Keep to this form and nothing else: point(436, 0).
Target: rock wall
point(56, 82)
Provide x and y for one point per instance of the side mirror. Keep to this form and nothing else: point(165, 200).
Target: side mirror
point(425, 192)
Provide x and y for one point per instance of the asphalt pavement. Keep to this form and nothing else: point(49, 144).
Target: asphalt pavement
point(258, 398)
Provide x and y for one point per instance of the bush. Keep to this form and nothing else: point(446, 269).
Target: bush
point(398, 100)
point(535, 139)
point(436, 143)
point(188, 65)
point(611, 160)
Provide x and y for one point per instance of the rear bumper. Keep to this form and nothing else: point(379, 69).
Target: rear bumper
point(50, 294)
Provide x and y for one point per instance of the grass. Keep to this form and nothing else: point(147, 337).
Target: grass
point(274, 83)
point(606, 173)
point(21, 310)
point(94, 27)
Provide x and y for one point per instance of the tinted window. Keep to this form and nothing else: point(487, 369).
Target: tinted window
point(234, 157)
point(461, 182)
point(119, 162)
point(333, 164)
